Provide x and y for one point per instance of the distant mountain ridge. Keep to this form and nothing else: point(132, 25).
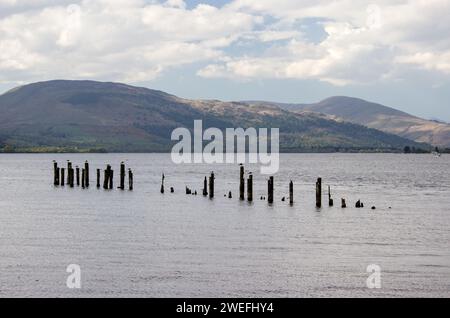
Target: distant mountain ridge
point(113, 117)
point(376, 116)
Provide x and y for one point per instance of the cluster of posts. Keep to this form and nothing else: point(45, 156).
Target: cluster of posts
point(208, 190)
point(74, 174)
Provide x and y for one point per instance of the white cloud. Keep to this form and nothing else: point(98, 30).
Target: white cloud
point(137, 40)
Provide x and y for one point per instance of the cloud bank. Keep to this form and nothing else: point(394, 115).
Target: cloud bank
point(137, 40)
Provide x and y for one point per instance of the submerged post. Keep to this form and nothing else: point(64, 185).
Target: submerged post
point(241, 183)
point(250, 187)
point(319, 193)
point(270, 190)
point(122, 176)
point(211, 185)
point(330, 200)
point(130, 179)
point(86, 174)
point(291, 192)
point(205, 187)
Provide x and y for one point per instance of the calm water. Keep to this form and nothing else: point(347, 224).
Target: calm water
point(144, 244)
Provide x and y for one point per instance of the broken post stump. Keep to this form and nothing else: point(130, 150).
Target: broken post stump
point(343, 204)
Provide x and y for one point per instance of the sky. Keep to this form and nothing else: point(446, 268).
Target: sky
point(394, 52)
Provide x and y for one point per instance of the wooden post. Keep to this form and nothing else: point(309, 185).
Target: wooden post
point(319, 193)
point(106, 177)
point(122, 176)
point(69, 166)
point(162, 183)
point(83, 178)
point(98, 178)
point(61, 179)
point(291, 192)
point(241, 183)
point(86, 172)
point(55, 173)
point(111, 179)
point(211, 185)
point(71, 177)
point(343, 204)
point(330, 200)
point(250, 188)
point(77, 169)
point(205, 187)
point(130, 179)
point(270, 190)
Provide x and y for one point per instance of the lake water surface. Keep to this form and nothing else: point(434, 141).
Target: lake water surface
point(144, 244)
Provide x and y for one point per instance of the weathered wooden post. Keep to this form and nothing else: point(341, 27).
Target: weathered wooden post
point(122, 176)
point(162, 183)
point(241, 183)
point(330, 200)
point(205, 187)
point(77, 170)
point(211, 185)
point(250, 187)
point(98, 178)
point(343, 204)
point(291, 192)
point(111, 179)
point(230, 195)
point(86, 172)
point(130, 179)
point(319, 193)
point(270, 190)
point(55, 173)
point(69, 166)
point(83, 178)
point(71, 177)
point(62, 178)
point(106, 177)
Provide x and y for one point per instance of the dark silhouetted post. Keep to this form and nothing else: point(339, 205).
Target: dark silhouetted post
point(130, 179)
point(343, 204)
point(86, 174)
point(241, 183)
point(71, 177)
point(106, 176)
point(98, 178)
point(77, 170)
point(69, 166)
point(83, 178)
point(205, 187)
point(111, 179)
point(319, 193)
point(211, 185)
point(291, 192)
point(330, 200)
point(62, 178)
point(162, 183)
point(250, 188)
point(55, 173)
point(122, 176)
point(270, 190)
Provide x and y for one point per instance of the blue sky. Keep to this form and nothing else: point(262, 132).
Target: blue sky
point(395, 53)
